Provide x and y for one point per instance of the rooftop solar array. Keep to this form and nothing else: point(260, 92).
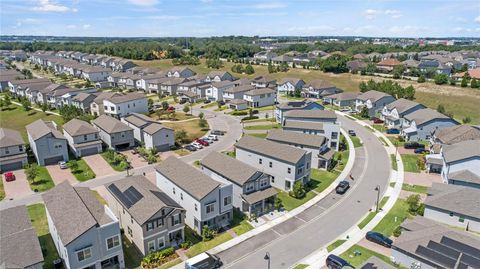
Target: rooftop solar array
point(128, 198)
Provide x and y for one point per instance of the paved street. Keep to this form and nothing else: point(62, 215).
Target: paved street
point(295, 239)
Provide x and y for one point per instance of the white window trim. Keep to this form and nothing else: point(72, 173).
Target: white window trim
point(83, 250)
point(154, 247)
point(158, 240)
point(119, 242)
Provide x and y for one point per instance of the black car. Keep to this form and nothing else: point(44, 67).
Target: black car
point(182, 101)
point(379, 238)
point(420, 150)
point(217, 132)
point(207, 101)
point(413, 145)
point(335, 262)
point(352, 133)
point(342, 187)
point(190, 148)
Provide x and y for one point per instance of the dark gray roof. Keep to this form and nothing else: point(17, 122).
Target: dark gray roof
point(9, 137)
point(110, 124)
point(303, 125)
point(344, 96)
point(271, 149)
point(402, 105)
point(319, 84)
point(259, 91)
point(240, 88)
point(230, 168)
point(260, 195)
point(126, 97)
point(293, 81)
point(152, 128)
point(457, 133)
point(465, 176)
point(372, 96)
point(138, 120)
point(78, 127)
point(461, 150)
point(187, 177)
point(425, 115)
point(296, 138)
point(40, 128)
point(453, 198)
point(311, 114)
point(151, 201)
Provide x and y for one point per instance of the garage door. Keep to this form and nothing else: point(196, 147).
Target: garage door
point(53, 160)
point(89, 151)
point(163, 147)
point(122, 146)
point(11, 166)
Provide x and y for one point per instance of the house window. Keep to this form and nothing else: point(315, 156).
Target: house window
point(451, 214)
point(118, 107)
point(173, 190)
point(113, 242)
point(250, 187)
point(7, 151)
point(260, 161)
point(308, 165)
point(196, 207)
point(273, 179)
point(334, 135)
point(105, 108)
point(263, 183)
point(176, 219)
point(270, 164)
point(210, 208)
point(84, 254)
point(123, 209)
point(85, 137)
point(131, 219)
point(20, 148)
point(181, 196)
point(159, 222)
point(161, 242)
point(149, 226)
point(112, 108)
point(227, 200)
point(96, 136)
point(151, 246)
point(128, 105)
point(289, 170)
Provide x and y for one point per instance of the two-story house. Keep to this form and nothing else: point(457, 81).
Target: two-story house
point(114, 133)
point(95, 73)
point(123, 105)
point(47, 143)
point(83, 101)
point(461, 163)
point(420, 124)
point(283, 107)
point(252, 192)
point(374, 101)
point(218, 76)
point(207, 202)
point(318, 88)
point(150, 218)
point(285, 164)
point(394, 112)
point(180, 72)
point(96, 106)
point(216, 89)
point(343, 99)
point(264, 82)
point(13, 154)
point(151, 133)
point(82, 138)
point(236, 92)
point(85, 233)
point(264, 56)
point(260, 97)
point(290, 85)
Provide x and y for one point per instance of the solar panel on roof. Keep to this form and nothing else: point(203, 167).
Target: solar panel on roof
point(436, 257)
point(464, 248)
point(124, 200)
point(445, 250)
point(469, 260)
point(132, 195)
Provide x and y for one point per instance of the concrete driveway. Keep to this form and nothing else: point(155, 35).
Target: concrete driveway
point(99, 166)
point(18, 188)
point(135, 159)
point(59, 175)
point(422, 178)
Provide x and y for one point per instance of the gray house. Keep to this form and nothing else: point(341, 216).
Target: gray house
point(375, 101)
point(12, 150)
point(151, 220)
point(47, 143)
point(83, 101)
point(115, 134)
point(281, 108)
point(86, 233)
point(318, 88)
point(252, 192)
point(19, 245)
point(461, 163)
point(394, 112)
point(153, 134)
point(420, 124)
point(82, 138)
point(343, 99)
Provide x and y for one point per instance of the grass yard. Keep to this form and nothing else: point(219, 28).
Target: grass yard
point(265, 108)
point(356, 255)
point(192, 128)
point(230, 154)
point(200, 246)
point(117, 166)
point(39, 221)
point(393, 160)
point(178, 116)
point(410, 163)
point(83, 172)
point(372, 214)
point(300, 266)
point(414, 188)
point(388, 223)
point(43, 181)
point(260, 120)
point(169, 264)
point(263, 127)
point(16, 118)
point(2, 190)
point(133, 257)
point(335, 245)
point(321, 179)
point(396, 141)
point(379, 127)
point(259, 135)
point(356, 141)
point(290, 203)
point(239, 223)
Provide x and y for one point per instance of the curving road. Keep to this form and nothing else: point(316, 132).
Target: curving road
point(293, 240)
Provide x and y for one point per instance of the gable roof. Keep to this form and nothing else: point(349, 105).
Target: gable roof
point(218, 73)
point(293, 81)
point(465, 176)
point(319, 84)
point(78, 127)
point(74, 210)
point(259, 91)
point(296, 138)
point(311, 114)
point(240, 88)
point(344, 96)
point(9, 137)
point(372, 96)
point(126, 97)
point(269, 148)
point(40, 128)
point(453, 198)
point(83, 96)
point(425, 115)
point(303, 125)
point(389, 62)
point(151, 199)
point(154, 128)
point(110, 124)
point(402, 105)
point(457, 133)
point(461, 150)
point(187, 177)
point(139, 120)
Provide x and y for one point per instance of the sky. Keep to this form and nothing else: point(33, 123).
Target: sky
point(200, 18)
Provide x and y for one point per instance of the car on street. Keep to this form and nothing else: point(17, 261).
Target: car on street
point(9, 176)
point(182, 101)
point(202, 142)
point(379, 238)
point(217, 132)
point(335, 262)
point(393, 131)
point(63, 165)
point(190, 148)
point(204, 261)
point(342, 187)
point(352, 133)
point(413, 145)
point(345, 110)
point(420, 150)
point(213, 137)
point(207, 101)
point(208, 139)
point(197, 145)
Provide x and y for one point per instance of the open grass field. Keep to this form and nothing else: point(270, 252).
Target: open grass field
point(191, 127)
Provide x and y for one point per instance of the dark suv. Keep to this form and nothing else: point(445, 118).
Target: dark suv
point(379, 238)
point(413, 145)
point(342, 187)
point(335, 262)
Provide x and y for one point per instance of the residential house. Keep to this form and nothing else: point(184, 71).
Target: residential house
point(82, 138)
point(236, 92)
point(121, 65)
point(18, 87)
point(207, 202)
point(60, 96)
point(434, 65)
point(461, 163)
point(420, 124)
point(151, 220)
point(260, 97)
point(456, 206)
point(83, 101)
point(215, 91)
point(19, 244)
point(123, 105)
point(151, 133)
point(252, 192)
point(343, 99)
point(264, 82)
point(192, 86)
point(375, 101)
point(356, 66)
point(281, 108)
point(264, 56)
point(9, 75)
point(180, 72)
point(47, 143)
point(238, 104)
point(318, 88)
point(170, 86)
point(473, 73)
point(95, 73)
point(388, 64)
point(219, 76)
point(427, 244)
point(317, 145)
point(394, 112)
point(40, 95)
point(96, 107)
point(290, 85)
point(282, 59)
point(114, 133)
point(13, 154)
point(85, 233)
point(285, 164)
point(114, 78)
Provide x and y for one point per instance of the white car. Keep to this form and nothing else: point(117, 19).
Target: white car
point(197, 145)
point(63, 165)
point(213, 137)
point(208, 139)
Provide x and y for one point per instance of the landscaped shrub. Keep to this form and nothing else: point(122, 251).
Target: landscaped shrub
point(397, 232)
point(239, 113)
point(157, 258)
point(298, 190)
point(413, 202)
point(207, 233)
point(250, 118)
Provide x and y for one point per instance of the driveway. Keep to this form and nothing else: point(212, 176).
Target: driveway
point(135, 159)
point(99, 166)
point(422, 179)
point(376, 247)
point(59, 175)
point(18, 188)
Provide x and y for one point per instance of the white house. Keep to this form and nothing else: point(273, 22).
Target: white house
point(236, 92)
point(290, 85)
point(260, 97)
point(216, 89)
point(394, 112)
point(124, 105)
point(283, 107)
point(420, 124)
point(180, 72)
point(219, 76)
point(461, 163)
point(153, 134)
point(318, 88)
point(95, 73)
point(375, 101)
point(264, 56)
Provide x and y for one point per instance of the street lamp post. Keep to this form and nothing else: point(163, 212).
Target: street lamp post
point(377, 188)
point(267, 258)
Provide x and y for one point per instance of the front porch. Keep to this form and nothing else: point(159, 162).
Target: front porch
point(259, 202)
point(218, 222)
point(325, 159)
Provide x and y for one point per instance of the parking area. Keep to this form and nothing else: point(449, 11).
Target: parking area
point(18, 188)
point(422, 179)
point(135, 159)
point(99, 166)
point(59, 175)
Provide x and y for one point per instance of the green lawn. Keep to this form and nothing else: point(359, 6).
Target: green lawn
point(388, 224)
point(393, 160)
point(264, 108)
point(384, 142)
point(379, 127)
point(260, 120)
point(356, 141)
point(2, 190)
point(263, 127)
point(116, 166)
point(357, 255)
point(410, 163)
point(133, 257)
point(169, 264)
point(43, 181)
point(293, 98)
point(239, 223)
point(335, 245)
point(192, 128)
point(199, 246)
point(290, 203)
point(396, 141)
point(300, 266)
point(414, 188)
point(321, 179)
point(230, 153)
point(39, 222)
point(372, 214)
point(263, 136)
point(84, 172)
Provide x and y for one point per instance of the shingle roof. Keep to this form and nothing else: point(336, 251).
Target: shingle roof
point(465, 176)
point(402, 105)
point(260, 91)
point(311, 114)
point(78, 127)
point(457, 133)
point(372, 96)
point(74, 210)
point(316, 126)
point(9, 137)
point(126, 97)
point(137, 121)
point(40, 128)
point(344, 96)
point(82, 96)
point(296, 138)
point(389, 62)
point(187, 177)
point(452, 198)
point(425, 115)
point(461, 150)
point(269, 148)
point(110, 124)
point(152, 198)
point(319, 84)
point(293, 81)
point(238, 101)
point(230, 168)
point(154, 127)
point(240, 88)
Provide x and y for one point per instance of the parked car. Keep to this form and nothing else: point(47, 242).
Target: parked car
point(208, 139)
point(202, 142)
point(378, 121)
point(379, 238)
point(413, 145)
point(204, 261)
point(206, 101)
point(63, 165)
point(171, 108)
point(213, 137)
point(217, 132)
point(393, 131)
point(352, 133)
point(9, 176)
point(420, 150)
point(222, 103)
point(197, 145)
point(190, 148)
point(182, 101)
point(342, 187)
point(335, 262)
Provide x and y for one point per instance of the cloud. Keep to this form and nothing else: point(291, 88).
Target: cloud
point(477, 19)
point(71, 26)
point(86, 26)
point(370, 13)
point(143, 3)
point(270, 5)
point(373, 13)
point(51, 6)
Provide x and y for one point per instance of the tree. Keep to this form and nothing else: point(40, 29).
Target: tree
point(44, 107)
point(31, 171)
point(440, 79)
point(165, 105)
point(150, 103)
point(364, 112)
point(207, 233)
point(249, 69)
point(413, 202)
point(297, 93)
point(336, 63)
point(466, 120)
point(186, 108)
point(250, 113)
point(73, 164)
point(201, 115)
point(2, 104)
point(464, 82)
point(27, 105)
point(453, 81)
point(421, 79)
point(7, 100)
point(474, 83)
point(271, 68)
point(181, 136)
point(215, 63)
point(298, 190)
point(277, 203)
point(441, 109)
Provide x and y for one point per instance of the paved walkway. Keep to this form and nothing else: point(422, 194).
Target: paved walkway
point(18, 188)
point(59, 175)
point(98, 165)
